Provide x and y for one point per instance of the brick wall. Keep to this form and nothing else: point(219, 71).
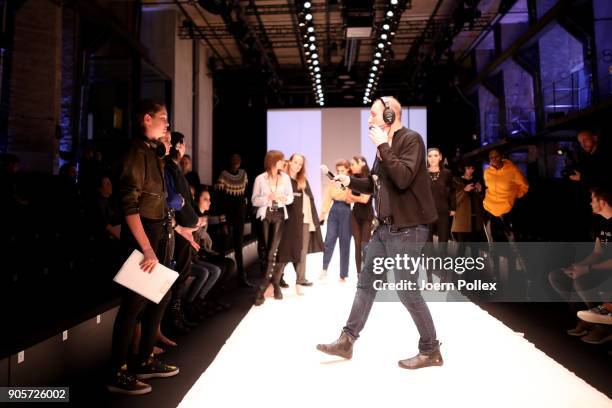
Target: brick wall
point(35, 84)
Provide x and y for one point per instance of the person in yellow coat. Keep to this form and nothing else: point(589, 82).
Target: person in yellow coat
point(505, 183)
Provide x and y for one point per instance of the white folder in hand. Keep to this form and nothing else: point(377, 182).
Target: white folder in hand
point(152, 285)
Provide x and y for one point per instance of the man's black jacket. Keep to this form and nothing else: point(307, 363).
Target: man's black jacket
point(403, 172)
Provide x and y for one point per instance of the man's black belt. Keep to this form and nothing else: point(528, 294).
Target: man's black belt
point(386, 220)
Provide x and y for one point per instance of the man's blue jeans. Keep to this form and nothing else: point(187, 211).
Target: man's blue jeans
point(387, 242)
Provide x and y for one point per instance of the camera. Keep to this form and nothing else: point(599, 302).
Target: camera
point(567, 171)
point(569, 166)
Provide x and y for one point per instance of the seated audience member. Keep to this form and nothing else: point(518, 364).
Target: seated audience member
point(209, 258)
point(206, 275)
point(102, 210)
point(91, 168)
point(10, 165)
point(601, 314)
point(104, 221)
point(586, 280)
point(68, 177)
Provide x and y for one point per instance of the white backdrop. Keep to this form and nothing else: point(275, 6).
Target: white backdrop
point(326, 135)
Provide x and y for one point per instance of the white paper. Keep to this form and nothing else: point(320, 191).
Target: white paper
point(152, 285)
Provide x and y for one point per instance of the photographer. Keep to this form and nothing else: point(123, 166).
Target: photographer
point(591, 169)
point(468, 221)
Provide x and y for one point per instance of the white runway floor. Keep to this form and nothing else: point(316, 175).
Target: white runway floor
point(271, 360)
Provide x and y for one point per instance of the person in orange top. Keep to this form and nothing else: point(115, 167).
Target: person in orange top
point(337, 209)
point(505, 183)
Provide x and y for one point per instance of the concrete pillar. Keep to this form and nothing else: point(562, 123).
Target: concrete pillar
point(182, 96)
point(159, 33)
point(36, 85)
point(175, 57)
point(205, 119)
point(602, 11)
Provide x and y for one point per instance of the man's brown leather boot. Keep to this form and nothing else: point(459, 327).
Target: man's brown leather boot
point(343, 347)
point(423, 360)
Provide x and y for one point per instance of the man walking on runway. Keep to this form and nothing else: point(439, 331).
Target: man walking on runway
point(404, 208)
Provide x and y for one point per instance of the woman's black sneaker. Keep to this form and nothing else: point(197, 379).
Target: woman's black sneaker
point(154, 368)
point(124, 383)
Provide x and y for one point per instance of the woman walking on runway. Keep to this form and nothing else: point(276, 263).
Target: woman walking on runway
point(302, 232)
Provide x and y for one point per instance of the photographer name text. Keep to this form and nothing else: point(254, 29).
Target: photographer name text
point(461, 284)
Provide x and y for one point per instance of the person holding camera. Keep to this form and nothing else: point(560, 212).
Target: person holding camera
point(272, 192)
point(591, 169)
point(468, 221)
point(336, 209)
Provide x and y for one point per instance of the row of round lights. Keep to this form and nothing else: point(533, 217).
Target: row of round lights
point(386, 33)
point(306, 23)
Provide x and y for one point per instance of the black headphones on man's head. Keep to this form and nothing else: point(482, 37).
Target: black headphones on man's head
point(388, 113)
